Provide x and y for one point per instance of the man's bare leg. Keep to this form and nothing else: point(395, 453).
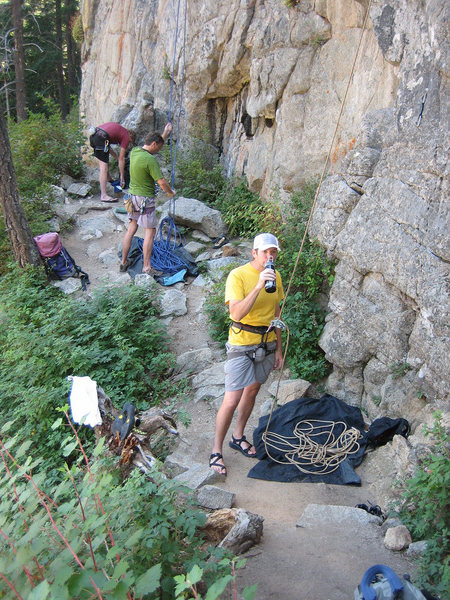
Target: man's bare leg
point(244, 401)
point(126, 244)
point(104, 178)
point(149, 236)
point(245, 408)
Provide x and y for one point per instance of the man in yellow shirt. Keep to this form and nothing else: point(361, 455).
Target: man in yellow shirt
point(252, 352)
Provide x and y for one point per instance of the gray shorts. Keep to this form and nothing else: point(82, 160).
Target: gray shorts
point(241, 371)
point(148, 219)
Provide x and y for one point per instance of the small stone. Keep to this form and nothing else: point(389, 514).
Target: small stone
point(397, 538)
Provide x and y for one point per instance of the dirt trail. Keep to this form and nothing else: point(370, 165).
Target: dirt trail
point(292, 563)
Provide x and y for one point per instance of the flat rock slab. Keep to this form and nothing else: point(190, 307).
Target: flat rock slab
point(198, 475)
point(316, 515)
point(211, 496)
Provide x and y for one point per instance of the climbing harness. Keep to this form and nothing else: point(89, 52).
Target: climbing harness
point(308, 455)
point(259, 353)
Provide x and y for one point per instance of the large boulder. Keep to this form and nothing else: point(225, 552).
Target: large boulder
point(195, 215)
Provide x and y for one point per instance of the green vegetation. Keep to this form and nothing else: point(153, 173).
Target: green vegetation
point(43, 147)
point(51, 54)
point(96, 536)
point(399, 369)
point(425, 511)
point(116, 338)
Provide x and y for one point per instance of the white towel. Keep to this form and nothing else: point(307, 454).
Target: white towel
point(84, 401)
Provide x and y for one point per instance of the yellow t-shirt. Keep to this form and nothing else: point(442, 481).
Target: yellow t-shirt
point(240, 283)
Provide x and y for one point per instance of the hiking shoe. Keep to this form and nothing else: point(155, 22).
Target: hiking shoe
point(124, 266)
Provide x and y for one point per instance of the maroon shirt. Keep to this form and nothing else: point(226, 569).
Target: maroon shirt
point(117, 134)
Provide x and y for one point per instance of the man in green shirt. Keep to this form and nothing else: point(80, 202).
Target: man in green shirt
point(144, 172)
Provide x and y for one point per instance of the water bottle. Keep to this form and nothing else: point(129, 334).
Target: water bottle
point(270, 286)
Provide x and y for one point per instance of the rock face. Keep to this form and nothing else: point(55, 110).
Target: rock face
point(267, 82)
point(386, 331)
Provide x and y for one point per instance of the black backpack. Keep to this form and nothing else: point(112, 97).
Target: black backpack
point(382, 431)
point(57, 261)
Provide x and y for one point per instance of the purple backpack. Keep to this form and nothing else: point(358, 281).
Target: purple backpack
point(58, 262)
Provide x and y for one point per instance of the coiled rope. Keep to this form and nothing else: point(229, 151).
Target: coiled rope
point(307, 455)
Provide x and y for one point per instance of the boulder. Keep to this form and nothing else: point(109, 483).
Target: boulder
point(397, 538)
point(289, 389)
point(195, 215)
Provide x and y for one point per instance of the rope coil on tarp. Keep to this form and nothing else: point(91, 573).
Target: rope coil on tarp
point(307, 453)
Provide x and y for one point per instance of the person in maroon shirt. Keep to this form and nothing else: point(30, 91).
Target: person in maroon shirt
point(101, 140)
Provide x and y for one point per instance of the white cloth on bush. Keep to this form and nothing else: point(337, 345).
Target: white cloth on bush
point(84, 401)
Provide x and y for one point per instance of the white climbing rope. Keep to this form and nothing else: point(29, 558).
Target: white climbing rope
point(317, 447)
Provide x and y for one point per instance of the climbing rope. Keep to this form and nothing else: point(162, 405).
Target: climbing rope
point(174, 147)
point(168, 237)
point(306, 448)
point(317, 447)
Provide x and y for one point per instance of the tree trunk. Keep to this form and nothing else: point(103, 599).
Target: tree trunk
point(22, 243)
point(69, 12)
point(19, 60)
point(60, 61)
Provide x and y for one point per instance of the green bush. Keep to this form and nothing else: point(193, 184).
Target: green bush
point(198, 173)
point(43, 148)
point(244, 213)
point(95, 536)
point(425, 511)
point(116, 338)
point(216, 309)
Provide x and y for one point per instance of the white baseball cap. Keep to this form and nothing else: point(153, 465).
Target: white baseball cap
point(263, 241)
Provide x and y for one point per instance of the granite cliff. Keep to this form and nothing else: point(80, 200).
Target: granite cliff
point(268, 81)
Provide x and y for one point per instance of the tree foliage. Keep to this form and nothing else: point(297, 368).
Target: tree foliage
point(52, 57)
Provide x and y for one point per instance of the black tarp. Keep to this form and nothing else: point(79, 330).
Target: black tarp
point(282, 423)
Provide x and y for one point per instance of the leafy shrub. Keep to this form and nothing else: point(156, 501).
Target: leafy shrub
point(305, 320)
point(94, 536)
point(115, 338)
point(244, 213)
point(425, 511)
point(45, 147)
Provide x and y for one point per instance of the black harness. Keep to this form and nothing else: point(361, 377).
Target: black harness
point(100, 140)
point(261, 351)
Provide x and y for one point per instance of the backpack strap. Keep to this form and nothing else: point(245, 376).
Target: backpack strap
point(84, 277)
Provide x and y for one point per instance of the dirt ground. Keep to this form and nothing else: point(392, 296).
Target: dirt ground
point(324, 562)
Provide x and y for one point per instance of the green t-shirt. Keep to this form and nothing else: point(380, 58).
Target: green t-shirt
point(144, 171)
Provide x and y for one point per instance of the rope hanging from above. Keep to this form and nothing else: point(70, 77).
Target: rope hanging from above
point(180, 114)
point(169, 237)
point(307, 454)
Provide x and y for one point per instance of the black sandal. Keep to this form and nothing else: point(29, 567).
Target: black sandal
point(236, 443)
point(215, 463)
